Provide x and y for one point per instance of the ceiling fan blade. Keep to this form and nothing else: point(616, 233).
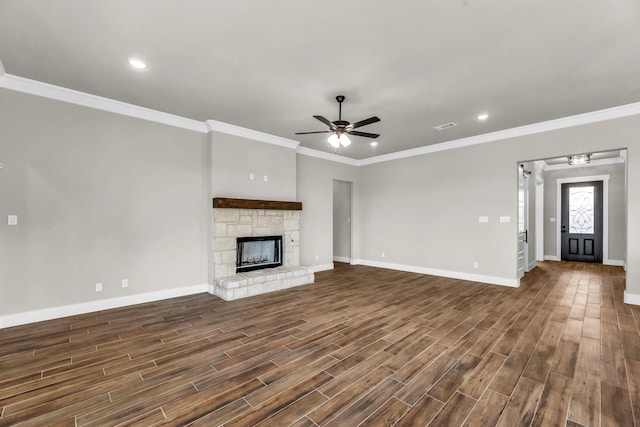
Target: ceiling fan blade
point(325, 121)
point(365, 122)
point(307, 133)
point(365, 134)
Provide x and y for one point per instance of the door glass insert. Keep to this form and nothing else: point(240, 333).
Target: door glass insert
point(581, 212)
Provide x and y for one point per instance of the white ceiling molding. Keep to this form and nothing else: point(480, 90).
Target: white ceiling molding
point(562, 123)
point(327, 156)
point(598, 162)
point(33, 87)
point(214, 125)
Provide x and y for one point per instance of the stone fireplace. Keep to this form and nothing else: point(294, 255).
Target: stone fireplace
point(239, 220)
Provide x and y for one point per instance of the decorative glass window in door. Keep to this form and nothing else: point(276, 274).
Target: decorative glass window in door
point(581, 212)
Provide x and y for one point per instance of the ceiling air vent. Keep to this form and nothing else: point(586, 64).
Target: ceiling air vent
point(446, 126)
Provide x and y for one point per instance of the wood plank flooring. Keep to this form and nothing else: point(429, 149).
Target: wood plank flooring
point(361, 346)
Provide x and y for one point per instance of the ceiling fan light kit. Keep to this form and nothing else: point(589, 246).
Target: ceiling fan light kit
point(339, 129)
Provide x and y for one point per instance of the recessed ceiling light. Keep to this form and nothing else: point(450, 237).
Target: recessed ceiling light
point(483, 116)
point(374, 143)
point(137, 63)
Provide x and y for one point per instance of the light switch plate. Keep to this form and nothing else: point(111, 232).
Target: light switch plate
point(505, 219)
point(12, 219)
point(552, 220)
point(483, 219)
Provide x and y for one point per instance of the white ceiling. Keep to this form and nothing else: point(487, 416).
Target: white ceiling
point(272, 65)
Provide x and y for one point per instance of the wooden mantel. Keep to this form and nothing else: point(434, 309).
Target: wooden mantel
point(223, 202)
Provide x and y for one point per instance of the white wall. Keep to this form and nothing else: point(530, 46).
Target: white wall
point(423, 211)
point(233, 160)
point(100, 197)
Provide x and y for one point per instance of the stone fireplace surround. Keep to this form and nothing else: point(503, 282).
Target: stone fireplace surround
point(233, 218)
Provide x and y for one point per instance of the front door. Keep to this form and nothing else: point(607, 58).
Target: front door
point(581, 228)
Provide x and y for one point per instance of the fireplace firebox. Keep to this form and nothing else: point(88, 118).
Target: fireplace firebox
point(255, 253)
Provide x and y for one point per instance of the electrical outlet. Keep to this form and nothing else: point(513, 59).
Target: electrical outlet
point(317, 257)
point(251, 176)
point(383, 255)
point(266, 178)
point(125, 283)
point(1, 165)
point(475, 264)
point(98, 287)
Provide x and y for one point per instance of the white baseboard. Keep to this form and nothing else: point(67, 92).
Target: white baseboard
point(551, 258)
point(502, 281)
point(531, 266)
point(91, 306)
point(321, 267)
point(616, 262)
point(633, 299)
point(342, 259)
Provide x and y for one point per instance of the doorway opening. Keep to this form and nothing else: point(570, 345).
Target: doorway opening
point(540, 217)
point(342, 191)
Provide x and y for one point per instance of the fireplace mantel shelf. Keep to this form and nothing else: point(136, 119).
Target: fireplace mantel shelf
point(227, 203)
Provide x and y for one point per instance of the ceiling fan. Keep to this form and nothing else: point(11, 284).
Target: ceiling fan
point(339, 129)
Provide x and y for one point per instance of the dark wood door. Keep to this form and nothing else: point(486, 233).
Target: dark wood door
point(581, 227)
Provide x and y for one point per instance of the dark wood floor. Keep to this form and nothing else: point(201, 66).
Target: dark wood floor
point(361, 346)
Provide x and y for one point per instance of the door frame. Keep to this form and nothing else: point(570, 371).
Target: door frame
point(605, 211)
point(539, 218)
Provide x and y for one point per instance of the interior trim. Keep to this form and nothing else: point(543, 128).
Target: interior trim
point(630, 298)
point(104, 304)
point(561, 123)
point(310, 152)
point(321, 267)
point(46, 90)
point(216, 126)
point(492, 280)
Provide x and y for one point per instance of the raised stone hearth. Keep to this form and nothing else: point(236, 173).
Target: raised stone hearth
point(262, 281)
point(231, 223)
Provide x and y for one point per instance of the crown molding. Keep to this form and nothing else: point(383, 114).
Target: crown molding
point(598, 162)
point(327, 156)
point(561, 123)
point(216, 126)
point(46, 90)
